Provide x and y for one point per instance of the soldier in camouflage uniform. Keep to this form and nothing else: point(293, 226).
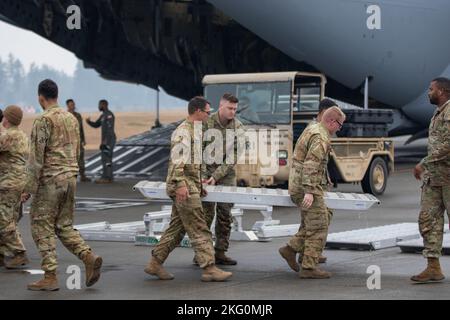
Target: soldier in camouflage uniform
point(14, 151)
point(107, 122)
point(184, 186)
point(223, 173)
point(435, 168)
point(324, 105)
point(52, 180)
point(307, 177)
point(71, 108)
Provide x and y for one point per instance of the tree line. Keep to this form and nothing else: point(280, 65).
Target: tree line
point(86, 87)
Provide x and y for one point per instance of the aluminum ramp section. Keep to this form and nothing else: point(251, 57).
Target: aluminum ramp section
point(267, 232)
point(261, 196)
point(94, 205)
point(137, 232)
point(374, 238)
point(143, 240)
point(104, 231)
point(416, 245)
point(148, 231)
point(158, 222)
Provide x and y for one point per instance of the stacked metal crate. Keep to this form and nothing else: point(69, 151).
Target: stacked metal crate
point(366, 123)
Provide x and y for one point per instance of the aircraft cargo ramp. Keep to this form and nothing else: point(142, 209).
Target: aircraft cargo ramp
point(145, 155)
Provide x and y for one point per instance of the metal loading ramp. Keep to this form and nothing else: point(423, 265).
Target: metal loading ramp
point(374, 238)
point(104, 231)
point(148, 231)
point(135, 161)
point(416, 245)
point(141, 232)
point(264, 200)
point(145, 155)
point(262, 196)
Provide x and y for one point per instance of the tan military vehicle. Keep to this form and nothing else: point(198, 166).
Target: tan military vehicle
point(288, 101)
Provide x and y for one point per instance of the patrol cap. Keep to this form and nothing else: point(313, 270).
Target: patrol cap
point(14, 115)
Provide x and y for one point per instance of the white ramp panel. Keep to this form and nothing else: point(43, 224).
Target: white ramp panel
point(265, 233)
point(108, 236)
point(151, 241)
point(416, 246)
point(157, 222)
point(104, 231)
point(373, 238)
point(137, 232)
point(262, 196)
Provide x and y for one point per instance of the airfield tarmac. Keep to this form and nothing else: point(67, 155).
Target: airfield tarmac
point(261, 274)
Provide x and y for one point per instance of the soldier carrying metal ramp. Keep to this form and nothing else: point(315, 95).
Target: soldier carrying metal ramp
point(222, 173)
point(324, 105)
point(184, 186)
point(307, 177)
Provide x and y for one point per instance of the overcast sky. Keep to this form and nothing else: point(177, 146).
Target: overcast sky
point(28, 47)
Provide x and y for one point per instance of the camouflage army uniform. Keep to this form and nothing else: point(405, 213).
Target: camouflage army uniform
point(436, 187)
point(187, 216)
point(223, 174)
point(52, 176)
point(14, 150)
point(325, 187)
point(308, 175)
point(81, 164)
point(106, 121)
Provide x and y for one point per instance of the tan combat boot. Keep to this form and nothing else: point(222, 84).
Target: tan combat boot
point(432, 273)
point(322, 259)
point(315, 273)
point(222, 259)
point(212, 273)
point(17, 262)
point(103, 181)
point(49, 283)
point(289, 255)
point(155, 268)
point(93, 265)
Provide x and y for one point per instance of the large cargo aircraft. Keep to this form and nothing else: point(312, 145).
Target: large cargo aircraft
point(399, 45)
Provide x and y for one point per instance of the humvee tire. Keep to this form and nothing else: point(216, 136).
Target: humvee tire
point(375, 179)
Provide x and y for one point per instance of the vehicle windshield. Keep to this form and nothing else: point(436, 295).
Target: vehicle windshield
point(259, 103)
